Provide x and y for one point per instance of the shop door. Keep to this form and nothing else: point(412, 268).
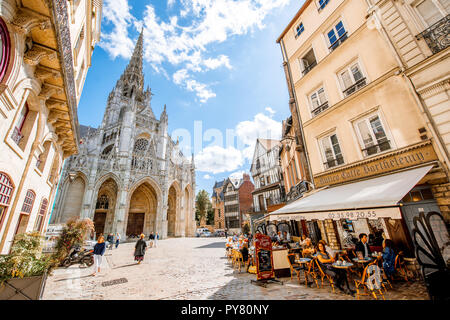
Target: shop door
point(314, 231)
point(135, 224)
point(99, 223)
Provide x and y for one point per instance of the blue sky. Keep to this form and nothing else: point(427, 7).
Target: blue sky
point(214, 63)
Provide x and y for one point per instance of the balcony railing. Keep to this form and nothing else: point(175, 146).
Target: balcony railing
point(377, 148)
point(437, 36)
point(308, 68)
point(16, 135)
point(320, 108)
point(330, 163)
point(338, 42)
point(355, 87)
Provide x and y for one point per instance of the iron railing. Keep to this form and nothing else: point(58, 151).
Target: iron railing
point(308, 68)
point(320, 108)
point(338, 42)
point(330, 163)
point(355, 87)
point(377, 148)
point(437, 36)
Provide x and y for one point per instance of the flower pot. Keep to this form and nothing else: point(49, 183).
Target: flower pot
point(29, 288)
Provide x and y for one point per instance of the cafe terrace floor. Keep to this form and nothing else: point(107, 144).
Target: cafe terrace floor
point(188, 268)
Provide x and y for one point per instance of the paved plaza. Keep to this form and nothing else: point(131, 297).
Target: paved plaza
point(187, 268)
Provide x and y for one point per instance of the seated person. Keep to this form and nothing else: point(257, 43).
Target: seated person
point(244, 251)
point(302, 241)
point(339, 276)
point(363, 246)
point(308, 248)
point(286, 236)
point(328, 249)
point(388, 258)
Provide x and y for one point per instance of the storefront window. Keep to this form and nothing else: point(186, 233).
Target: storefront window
point(5, 48)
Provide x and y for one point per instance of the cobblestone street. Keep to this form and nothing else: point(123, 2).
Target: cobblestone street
point(187, 268)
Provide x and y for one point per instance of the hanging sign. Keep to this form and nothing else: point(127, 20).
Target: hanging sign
point(264, 258)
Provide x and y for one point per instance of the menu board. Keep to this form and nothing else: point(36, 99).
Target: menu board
point(264, 258)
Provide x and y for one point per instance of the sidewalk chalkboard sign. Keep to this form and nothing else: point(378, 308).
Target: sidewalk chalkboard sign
point(264, 259)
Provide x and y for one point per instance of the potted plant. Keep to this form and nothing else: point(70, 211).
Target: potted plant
point(24, 270)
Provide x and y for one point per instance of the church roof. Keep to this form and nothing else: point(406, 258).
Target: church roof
point(85, 129)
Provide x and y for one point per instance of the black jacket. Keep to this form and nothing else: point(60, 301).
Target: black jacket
point(140, 248)
point(360, 247)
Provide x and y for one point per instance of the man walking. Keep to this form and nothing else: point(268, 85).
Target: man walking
point(151, 237)
point(110, 240)
point(156, 238)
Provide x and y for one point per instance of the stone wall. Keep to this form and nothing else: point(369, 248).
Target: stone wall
point(441, 193)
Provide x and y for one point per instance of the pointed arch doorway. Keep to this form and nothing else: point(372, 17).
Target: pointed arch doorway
point(105, 207)
point(142, 211)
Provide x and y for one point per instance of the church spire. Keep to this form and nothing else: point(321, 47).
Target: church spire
point(133, 74)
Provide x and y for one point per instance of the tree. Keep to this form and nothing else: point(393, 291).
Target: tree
point(202, 203)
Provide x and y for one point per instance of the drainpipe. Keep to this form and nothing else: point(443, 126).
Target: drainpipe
point(294, 96)
point(419, 101)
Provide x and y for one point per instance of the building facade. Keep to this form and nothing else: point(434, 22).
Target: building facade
point(362, 124)
point(238, 200)
point(266, 174)
point(129, 176)
point(292, 167)
point(40, 86)
point(418, 34)
point(217, 201)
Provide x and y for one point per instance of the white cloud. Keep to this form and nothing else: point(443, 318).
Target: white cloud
point(237, 174)
point(186, 44)
point(207, 177)
point(270, 110)
point(261, 126)
point(117, 43)
point(216, 159)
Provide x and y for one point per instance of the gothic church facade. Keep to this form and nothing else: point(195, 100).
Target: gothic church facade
point(129, 176)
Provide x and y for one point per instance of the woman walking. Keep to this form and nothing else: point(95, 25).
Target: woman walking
point(99, 250)
point(139, 249)
point(117, 239)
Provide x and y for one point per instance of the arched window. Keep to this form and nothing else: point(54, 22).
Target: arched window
point(5, 48)
point(102, 202)
point(6, 191)
point(28, 202)
point(25, 212)
point(41, 215)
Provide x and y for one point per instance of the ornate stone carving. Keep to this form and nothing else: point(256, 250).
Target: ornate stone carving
point(37, 53)
point(43, 73)
point(49, 90)
point(25, 20)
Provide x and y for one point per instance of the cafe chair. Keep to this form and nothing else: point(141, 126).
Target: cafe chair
point(320, 273)
point(400, 266)
point(295, 268)
point(362, 284)
point(239, 261)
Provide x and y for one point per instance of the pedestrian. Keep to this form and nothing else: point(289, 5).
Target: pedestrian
point(99, 250)
point(117, 239)
point(139, 249)
point(156, 238)
point(152, 238)
point(110, 240)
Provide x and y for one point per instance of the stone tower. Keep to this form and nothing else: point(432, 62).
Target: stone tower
point(129, 176)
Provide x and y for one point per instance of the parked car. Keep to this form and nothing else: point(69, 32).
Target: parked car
point(219, 234)
point(200, 231)
point(206, 234)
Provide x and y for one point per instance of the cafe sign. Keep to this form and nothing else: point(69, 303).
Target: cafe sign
point(264, 258)
point(375, 213)
point(408, 157)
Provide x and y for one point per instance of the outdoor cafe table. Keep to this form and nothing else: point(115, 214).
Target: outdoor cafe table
point(362, 261)
point(303, 261)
